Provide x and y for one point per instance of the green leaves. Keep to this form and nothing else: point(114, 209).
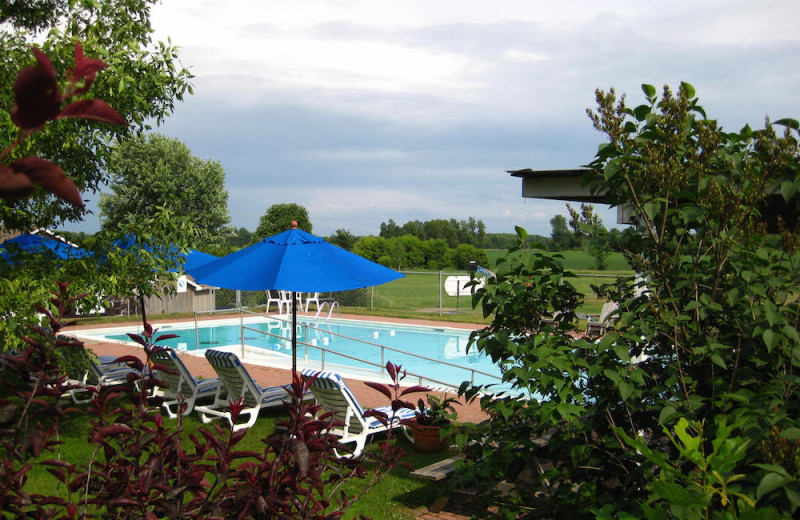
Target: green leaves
point(649, 92)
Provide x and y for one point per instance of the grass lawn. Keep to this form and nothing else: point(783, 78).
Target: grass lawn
point(420, 294)
point(395, 497)
point(575, 261)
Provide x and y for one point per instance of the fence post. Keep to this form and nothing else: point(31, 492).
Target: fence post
point(440, 293)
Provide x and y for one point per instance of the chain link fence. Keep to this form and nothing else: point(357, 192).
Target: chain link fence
point(435, 293)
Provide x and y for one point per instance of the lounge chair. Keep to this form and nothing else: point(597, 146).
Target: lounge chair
point(599, 327)
point(236, 382)
point(102, 372)
point(180, 385)
point(332, 393)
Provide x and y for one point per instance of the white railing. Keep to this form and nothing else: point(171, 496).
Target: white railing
point(323, 351)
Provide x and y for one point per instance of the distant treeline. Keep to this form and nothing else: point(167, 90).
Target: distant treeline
point(456, 232)
point(410, 252)
point(433, 244)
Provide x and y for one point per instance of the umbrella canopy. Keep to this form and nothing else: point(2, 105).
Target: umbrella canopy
point(293, 261)
point(39, 244)
point(194, 258)
point(183, 261)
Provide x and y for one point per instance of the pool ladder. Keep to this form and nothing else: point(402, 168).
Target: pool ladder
point(331, 305)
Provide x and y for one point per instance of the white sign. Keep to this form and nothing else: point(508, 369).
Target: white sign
point(454, 286)
point(181, 284)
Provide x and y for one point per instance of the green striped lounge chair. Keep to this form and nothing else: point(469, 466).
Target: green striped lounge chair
point(103, 371)
point(332, 393)
point(236, 382)
point(179, 385)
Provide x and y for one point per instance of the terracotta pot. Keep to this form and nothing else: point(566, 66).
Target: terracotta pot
point(426, 438)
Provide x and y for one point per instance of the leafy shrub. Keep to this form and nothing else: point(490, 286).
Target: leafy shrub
point(674, 413)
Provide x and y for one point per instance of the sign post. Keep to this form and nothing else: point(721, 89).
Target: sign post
point(454, 286)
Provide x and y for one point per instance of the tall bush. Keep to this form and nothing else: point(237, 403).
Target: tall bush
point(680, 411)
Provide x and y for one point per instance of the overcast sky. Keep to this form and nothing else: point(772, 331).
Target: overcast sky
point(363, 111)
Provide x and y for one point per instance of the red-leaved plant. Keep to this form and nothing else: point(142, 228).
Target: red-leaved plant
point(394, 392)
point(38, 101)
point(140, 466)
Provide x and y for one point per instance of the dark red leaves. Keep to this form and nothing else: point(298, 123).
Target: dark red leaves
point(96, 109)
point(14, 185)
point(392, 369)
point(49, 176)
point(85, 70)
point(114, 429)
point(301, 456)
point(415, 389)
point(380, 388)
point(37, 95)
point(39, 100)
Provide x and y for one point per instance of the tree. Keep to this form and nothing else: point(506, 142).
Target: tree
point(690, 407)
point(561, 239)
point(462, 255)
point(279, 218)
point(371, 248)
point(390, 229)
point(143, 81)
point(343, 238)
point(588, 225)
point(153, 171)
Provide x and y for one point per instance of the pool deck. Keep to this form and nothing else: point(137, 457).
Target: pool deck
point(269, 376)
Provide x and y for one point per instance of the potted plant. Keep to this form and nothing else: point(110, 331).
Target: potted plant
point(430, 426)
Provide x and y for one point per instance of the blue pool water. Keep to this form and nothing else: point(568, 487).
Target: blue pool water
point(445, 345)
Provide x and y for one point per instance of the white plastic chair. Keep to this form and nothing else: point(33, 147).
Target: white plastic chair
point(277, 301)
point(235, 383)
point(332, 393)
point(312, 297)
point(179, 383)
point(286, 300)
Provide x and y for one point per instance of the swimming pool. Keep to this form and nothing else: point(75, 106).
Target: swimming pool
point(334, 344)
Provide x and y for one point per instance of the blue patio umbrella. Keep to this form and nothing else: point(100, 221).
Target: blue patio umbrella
point(194, 258)
point(293, 261)
point(183, 261)
point(37, 244)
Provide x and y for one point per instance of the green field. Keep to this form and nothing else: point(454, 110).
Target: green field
point(418, 294)
point(576, 261)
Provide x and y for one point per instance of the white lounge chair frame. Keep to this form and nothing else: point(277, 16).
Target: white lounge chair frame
point(235, 383)
point(180, 385)
point(599, 327)
point(106, 372)
point(332, 393)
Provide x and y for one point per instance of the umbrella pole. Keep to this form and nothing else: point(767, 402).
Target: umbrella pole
point(144, 312)
point(294, 332)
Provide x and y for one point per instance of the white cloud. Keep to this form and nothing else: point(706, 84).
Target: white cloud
point(365, 110)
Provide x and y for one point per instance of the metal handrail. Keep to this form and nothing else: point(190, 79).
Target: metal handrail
point(331, 306)
point(420, 378)
point(383, 348)
point(323, 350)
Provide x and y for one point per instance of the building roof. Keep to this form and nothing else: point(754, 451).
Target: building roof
point(556, 185)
